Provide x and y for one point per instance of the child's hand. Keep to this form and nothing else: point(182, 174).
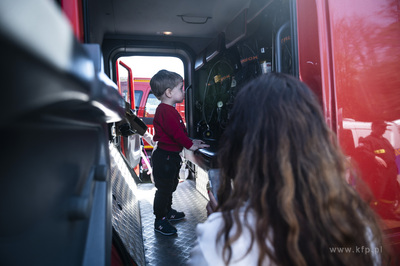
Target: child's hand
point(198, 144)
point(198, 141)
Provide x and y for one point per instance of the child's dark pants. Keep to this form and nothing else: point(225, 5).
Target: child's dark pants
point(166, 166)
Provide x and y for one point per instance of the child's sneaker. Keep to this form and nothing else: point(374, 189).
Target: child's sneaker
point(164, 227)
point(174, 215)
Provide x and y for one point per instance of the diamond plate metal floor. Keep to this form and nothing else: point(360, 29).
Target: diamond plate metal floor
point(125, 207)
point(174, 250)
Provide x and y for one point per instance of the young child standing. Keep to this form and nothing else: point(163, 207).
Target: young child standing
point(171, 137)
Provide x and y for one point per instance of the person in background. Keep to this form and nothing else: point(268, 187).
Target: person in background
point(377, 160)
point(283, 198)
point(171, 137)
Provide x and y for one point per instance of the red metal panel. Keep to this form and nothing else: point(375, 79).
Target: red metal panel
point(130, 84)
point(314, 52)
point(366, 57)
point(142, 84)
point(366, 50)
point(73, 10)
point(349, 54)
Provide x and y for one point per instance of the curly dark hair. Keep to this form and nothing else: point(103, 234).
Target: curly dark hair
point(281, 162)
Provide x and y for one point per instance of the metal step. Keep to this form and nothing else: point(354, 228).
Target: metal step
point(171, 250)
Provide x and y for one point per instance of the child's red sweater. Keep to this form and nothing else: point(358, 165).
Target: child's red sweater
point(170, 131)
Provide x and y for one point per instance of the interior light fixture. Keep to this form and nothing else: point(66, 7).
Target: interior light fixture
point(194, 19)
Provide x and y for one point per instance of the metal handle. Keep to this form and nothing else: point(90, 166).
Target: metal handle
point(278, 46)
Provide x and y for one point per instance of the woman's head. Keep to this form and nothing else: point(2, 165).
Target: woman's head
point(279, 158)
point(276, 126)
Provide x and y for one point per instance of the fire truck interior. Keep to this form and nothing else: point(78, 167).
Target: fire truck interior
point(68, 195)
point(221, 51)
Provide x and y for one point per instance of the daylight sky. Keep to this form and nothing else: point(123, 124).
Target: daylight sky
point(147, 66)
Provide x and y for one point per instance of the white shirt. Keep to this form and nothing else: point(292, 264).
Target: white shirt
point(207, 252)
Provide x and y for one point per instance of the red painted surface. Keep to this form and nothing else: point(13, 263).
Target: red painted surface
point(143, 85)
point(73, 10)
point(129, 86)
point(349, 54)
point(127, 90)
point(366, 63)
point(116, 259)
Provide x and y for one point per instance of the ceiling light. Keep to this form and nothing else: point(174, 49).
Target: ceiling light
point(194, 19)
